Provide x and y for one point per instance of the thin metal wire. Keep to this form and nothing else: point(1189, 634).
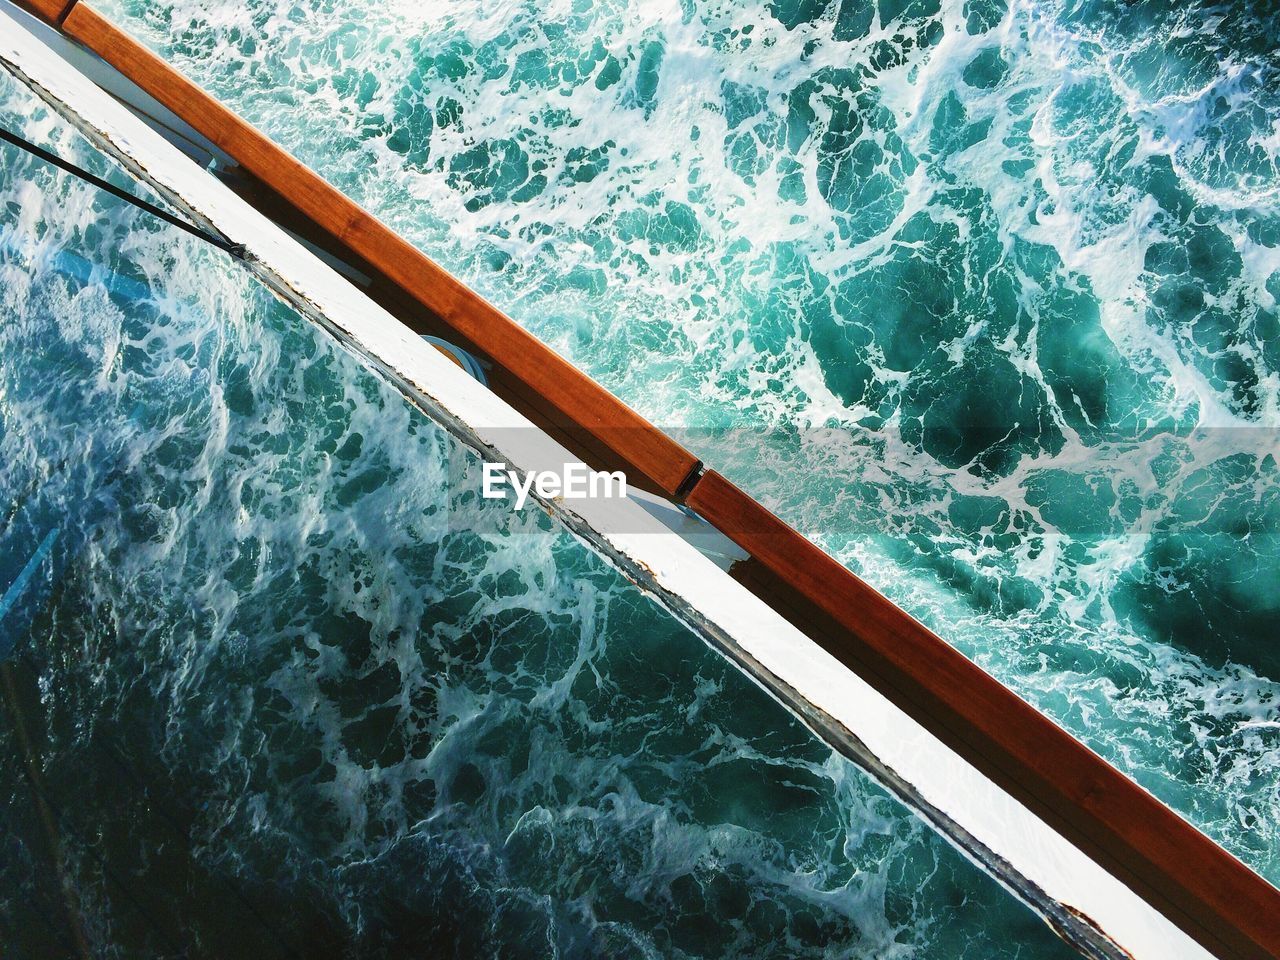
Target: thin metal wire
point(222, 243)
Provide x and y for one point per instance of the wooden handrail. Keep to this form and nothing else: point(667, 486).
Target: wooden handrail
point(1188, 877)
point(645, 449)
point(1211, 895)
point(54, 11)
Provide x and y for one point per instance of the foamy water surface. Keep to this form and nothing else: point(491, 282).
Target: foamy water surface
point(991, 287)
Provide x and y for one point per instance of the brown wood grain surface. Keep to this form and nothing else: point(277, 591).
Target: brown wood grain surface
point(50, 10)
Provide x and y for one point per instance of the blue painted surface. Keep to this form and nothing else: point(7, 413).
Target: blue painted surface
point(18, 589)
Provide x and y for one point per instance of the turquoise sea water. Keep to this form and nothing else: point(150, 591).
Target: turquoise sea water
point(284, 703)
point(991, 287)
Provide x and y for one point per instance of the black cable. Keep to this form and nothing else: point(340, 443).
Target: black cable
point(185, 837)
point(222, 243)
point(57, 932)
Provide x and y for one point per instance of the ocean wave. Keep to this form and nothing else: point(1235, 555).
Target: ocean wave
point(285, 700)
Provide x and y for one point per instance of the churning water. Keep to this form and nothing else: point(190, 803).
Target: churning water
point(992, 292)
point(285, 704)
point(992, 287)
